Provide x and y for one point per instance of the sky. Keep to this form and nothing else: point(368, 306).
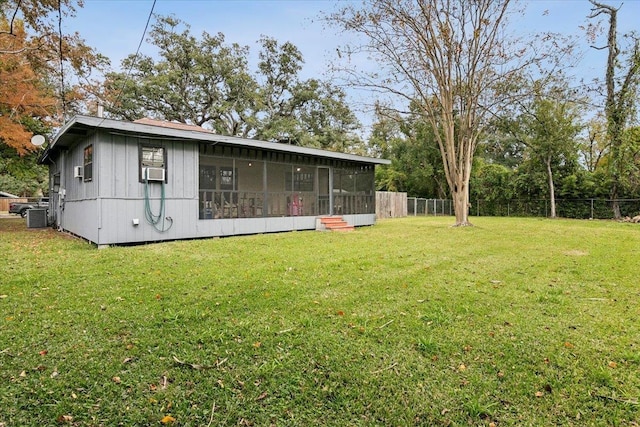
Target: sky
point(115, 27)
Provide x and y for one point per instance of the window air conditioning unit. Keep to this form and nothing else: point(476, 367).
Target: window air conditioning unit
point(153, 174)
point(78, 172)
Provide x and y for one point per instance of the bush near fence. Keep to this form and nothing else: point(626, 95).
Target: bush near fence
point(565, 208)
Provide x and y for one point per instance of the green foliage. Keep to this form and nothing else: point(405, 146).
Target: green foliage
point(416, 166)
point(493, 184)
point(207, 82)
point(513, 322)
point(22, 175)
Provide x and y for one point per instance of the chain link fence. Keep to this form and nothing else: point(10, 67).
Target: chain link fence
point(417, 206)
point(565, 208)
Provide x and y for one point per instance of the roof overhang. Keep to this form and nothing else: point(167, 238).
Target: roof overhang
point(80, 127)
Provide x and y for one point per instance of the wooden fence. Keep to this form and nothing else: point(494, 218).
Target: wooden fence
point(4, 203)
point(391, 205)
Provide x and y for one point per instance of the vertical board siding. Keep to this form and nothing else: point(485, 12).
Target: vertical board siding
point(123, 195)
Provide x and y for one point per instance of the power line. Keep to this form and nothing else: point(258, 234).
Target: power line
point(124, 82)
point(62, 94)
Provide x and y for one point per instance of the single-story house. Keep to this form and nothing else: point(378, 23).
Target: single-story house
point(120, 182)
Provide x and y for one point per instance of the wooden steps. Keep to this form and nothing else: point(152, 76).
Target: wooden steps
point(333, 223)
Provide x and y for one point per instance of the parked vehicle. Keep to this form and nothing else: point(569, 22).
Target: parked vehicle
point(22, 208)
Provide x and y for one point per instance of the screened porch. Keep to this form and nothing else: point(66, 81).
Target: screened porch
point(252, 183)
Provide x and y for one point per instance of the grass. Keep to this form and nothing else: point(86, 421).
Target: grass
point(514, 322)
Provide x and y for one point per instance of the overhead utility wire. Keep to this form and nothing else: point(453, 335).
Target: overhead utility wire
point(144, 33)
point(62, 94)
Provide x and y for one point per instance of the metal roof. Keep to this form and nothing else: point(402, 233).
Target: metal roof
point(81, 126)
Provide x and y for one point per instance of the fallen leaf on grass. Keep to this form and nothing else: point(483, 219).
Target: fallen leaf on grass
point(262, 396)
point(167, 419)
point(3, 296)
point(613, 365)
point(62, 419)
point(116, 380)
point(43, 352)
point(462, 367)
point(539, 393)
point(567, 344)
point(193, 365)
point(257, 344)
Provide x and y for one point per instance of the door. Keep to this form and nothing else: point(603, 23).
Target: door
point(324, 194)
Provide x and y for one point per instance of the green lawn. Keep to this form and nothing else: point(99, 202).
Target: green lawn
point(514, 322)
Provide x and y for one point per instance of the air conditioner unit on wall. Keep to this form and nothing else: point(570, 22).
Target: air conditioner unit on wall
point(153, 174)
point(78, 172)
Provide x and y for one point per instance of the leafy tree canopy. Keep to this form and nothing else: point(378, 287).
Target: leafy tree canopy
point(208, 82)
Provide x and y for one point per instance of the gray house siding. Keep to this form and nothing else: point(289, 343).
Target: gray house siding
point(74, 203)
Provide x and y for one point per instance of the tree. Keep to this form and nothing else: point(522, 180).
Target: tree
point(622, 83)
point(448, 56)
point(492, 183)
point(548, 129)
point(40, 72)
point(593, 148)
point(62, 61)
point(24, 97)
point(207, 82)
point(200, 82)
point(416, 165)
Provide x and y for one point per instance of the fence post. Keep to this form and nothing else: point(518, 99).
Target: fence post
point(591, 209)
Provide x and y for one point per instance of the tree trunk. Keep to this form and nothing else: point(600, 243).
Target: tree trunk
point(461, 207)
point(552, 192)
point(615, 204)
point(460, 195)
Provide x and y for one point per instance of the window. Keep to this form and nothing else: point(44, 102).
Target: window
point(228, 178)
point(152, 157)
point(88, 163)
